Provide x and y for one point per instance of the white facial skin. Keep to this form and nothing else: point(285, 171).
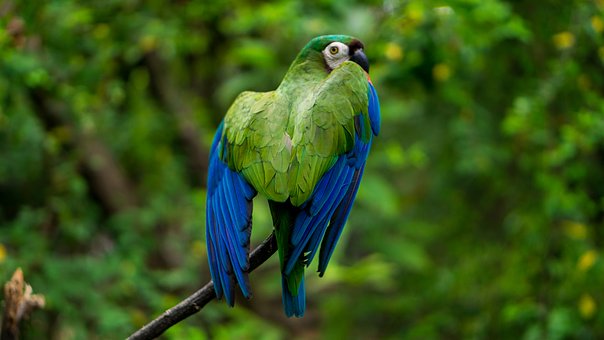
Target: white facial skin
point(335, 54)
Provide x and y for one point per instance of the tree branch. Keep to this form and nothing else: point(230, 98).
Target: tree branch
point(19, 304)
point(200, 298)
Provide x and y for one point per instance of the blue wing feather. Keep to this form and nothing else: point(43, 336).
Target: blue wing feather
point(338, 220)
point(309, 226)
point(336, 225)
point(325, 188)
point(313, 245)
point(374, 110)
point(326, 211)
point(228, 224)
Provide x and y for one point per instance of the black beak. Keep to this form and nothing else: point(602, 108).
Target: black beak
point(359, 57)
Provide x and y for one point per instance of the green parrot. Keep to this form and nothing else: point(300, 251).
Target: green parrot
point(302, 146)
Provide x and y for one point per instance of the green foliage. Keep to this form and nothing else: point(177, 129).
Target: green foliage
point(480, 214)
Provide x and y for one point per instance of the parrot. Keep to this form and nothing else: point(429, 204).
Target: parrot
point(303, 147)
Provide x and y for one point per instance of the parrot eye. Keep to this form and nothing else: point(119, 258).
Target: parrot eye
point(334, 54)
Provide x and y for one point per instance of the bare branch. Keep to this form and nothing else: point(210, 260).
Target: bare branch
point(19, 303)
point(200, 298)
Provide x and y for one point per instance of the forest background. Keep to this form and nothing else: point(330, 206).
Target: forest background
point(480, 215)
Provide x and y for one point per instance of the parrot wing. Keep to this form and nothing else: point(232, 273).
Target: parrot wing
point(257, 142)
point(248, 155)
point(228, 223)
point(326, 210)
point(339, 217)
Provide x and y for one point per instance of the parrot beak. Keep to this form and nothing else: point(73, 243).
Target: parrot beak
point(359, 57)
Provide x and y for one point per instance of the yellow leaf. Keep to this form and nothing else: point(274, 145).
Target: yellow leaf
point(415, 12)
point(583, 82)
point(138, 317)
point(597, 24)
point(564, 40)
point(587, 260)
point(148, 43)
point(587, 306)
point(101, 31)
point(2, 253)
point(441, 72)
point(393, 51)
point(199, 249)
point(575, 230)
point(413, 16)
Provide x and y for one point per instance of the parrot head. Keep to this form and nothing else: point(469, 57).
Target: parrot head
point(333, 50)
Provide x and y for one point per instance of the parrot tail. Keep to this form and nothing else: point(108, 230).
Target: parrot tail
point(294, 305)
point(294, 294)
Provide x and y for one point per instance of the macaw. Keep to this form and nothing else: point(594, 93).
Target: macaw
point(303, 146)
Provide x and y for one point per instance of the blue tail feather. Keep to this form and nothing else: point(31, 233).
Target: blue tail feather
point(293, 305)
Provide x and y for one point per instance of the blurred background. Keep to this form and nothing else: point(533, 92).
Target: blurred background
point(480, 215)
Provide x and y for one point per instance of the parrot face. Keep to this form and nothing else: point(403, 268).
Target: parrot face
point(336, 53)
point(303, 147)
